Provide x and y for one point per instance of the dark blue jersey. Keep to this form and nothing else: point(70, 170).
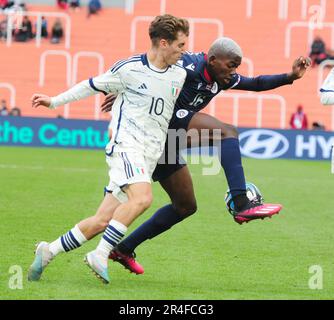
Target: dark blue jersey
point(199, 88)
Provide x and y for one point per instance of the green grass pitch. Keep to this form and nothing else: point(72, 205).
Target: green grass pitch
point(45, 192)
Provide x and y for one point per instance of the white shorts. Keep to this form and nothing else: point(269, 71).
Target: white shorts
point(127, 168)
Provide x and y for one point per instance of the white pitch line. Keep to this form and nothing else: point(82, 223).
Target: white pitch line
point(15, 167)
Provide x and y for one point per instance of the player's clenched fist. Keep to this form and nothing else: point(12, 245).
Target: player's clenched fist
point(38, 100)
point(299, 67)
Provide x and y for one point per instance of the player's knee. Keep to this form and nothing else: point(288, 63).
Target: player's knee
point(147, 201)
point(229, 131)
point(186, 209)
point(143, 202)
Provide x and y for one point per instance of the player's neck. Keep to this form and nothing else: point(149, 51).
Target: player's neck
point(156, 59)
point(210, 74)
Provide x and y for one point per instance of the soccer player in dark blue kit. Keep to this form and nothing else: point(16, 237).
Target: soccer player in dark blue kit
point(207, 75)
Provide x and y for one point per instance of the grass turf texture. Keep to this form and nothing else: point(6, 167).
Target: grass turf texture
point(45, 192)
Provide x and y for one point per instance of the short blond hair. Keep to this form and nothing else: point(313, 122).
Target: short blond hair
point(224, 46)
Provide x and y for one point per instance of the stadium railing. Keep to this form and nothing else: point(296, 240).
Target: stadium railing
point(42, 63)
point(310, 32)
point(75, 63)
point(249, 8)
point(259, 97)
point(72, 72)
point(250, 66)
point(192, 22)
point(88, 54)
point(15, 20)
point(283, 8)
point(129, 6)
point(305, 8)
point(12, 91)
point(163, 6)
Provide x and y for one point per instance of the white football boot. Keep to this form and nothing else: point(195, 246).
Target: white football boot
point(99, 267)
point(43, 257)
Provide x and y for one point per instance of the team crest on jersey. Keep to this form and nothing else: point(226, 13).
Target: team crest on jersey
point(190, 67)
point(175, 91)
point(182, 113)
point(212, 87)
point(175, 88)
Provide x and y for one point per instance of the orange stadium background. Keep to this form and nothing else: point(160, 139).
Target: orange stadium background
point(261, 28)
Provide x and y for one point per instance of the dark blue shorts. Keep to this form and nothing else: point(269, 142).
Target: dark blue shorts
point(180, 120)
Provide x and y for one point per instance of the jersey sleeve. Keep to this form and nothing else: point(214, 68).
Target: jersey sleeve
point(327, 90)
point(109, 82)
point(262, 83)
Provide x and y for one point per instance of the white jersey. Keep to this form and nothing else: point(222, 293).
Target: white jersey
point(327, 90)
point(143, 108)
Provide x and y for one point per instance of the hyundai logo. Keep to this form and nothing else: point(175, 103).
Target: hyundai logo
point(263, 144)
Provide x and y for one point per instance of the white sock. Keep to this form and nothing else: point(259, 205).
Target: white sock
point(69, 241)
point(111, 237)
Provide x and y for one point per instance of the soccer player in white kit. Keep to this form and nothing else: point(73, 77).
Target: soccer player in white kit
point(147, 86)
point(327, 90)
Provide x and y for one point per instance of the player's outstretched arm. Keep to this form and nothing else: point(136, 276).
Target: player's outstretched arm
point(299, 68)
point(327, 90)
point(77, 92)
point(269, 82)
point(105, 83)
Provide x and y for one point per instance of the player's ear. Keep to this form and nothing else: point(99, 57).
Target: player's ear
point(163, 43)
point(212, 60)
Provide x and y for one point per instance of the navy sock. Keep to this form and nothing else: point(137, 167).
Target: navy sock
point(230, 159)
point(161, 221)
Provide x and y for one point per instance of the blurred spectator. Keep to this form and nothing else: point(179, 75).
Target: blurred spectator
point(319, 53)
point(44, 29)
point(6, 4)
point(317, 126)
point(74, 4)
point(298, 119)
point(25, 32)
point(20, 3)
point(15, 112)
point(62, 4)
point(3, 4)
point(3, 29)
point(57, 31)
point(94, 6)
point(14, 5)
point(3, 108)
